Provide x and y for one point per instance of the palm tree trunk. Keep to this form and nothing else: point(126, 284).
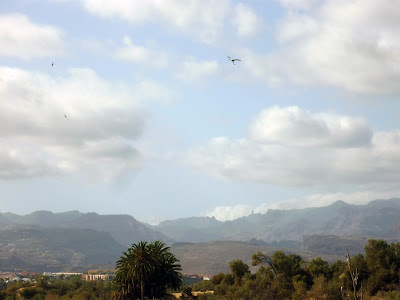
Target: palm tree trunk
point(141, 289)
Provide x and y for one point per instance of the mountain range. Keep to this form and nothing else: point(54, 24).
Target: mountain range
point(46, 241)
point(379, 218)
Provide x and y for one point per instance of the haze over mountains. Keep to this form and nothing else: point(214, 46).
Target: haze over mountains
point(76, 241)
point(378, 218)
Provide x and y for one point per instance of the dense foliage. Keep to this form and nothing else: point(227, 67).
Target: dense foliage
point(151, 268)
point(283, 276)
point(146, 271)
point(44, 288)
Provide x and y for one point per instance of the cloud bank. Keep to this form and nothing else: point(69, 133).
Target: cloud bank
point(338, 44)
point(56, 126)
point(19, 37)
point(292, 147)
point(205, 20)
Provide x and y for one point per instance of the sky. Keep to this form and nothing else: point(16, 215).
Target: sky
point(133, 107)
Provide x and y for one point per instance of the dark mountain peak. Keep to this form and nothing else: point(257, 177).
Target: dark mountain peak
point(339, 204)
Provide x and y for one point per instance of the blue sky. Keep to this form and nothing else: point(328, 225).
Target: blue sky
point(160, 124)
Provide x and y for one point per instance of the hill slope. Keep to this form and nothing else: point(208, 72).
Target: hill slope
point(123, 228)
point(46, 249)
point(214, 257)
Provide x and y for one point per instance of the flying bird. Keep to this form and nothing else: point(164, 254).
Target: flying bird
point(65, 115)
point(52, 63)
point(233, 59)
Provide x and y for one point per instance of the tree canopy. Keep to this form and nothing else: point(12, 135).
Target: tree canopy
point(146, 270)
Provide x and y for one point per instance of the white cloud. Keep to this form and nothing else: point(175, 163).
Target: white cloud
point(18, 160)
point(202, 20)
point(293, 147)
point(97, 137)
point(339, 44)
point(296, 127)
point(140, 54)
point(227, 213)
point(20, 37)
point(247, 22)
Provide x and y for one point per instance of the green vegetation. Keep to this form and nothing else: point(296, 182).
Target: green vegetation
point(146, 270)
point(44, 288)
point(283, 277)
point(150, 271)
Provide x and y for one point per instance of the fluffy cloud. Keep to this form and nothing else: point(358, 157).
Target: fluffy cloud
point(140, 54)
point(97, 136)
point(202, 19)
point(246, 21)
point(293, 126)
point(340, 44)
point(293, 147)
point(226, 213)
point(21, 38)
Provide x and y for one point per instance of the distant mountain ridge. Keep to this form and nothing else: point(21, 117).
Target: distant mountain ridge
point(123, 228)
point(379, 218)
point(73, 240)
point(55, 249)
point(46, 241)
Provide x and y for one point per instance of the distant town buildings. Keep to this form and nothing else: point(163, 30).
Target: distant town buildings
point(91, 275)
point(199, 276)
point(94, 275)
point(58, 274)
point(14, 276)
point(98, 276)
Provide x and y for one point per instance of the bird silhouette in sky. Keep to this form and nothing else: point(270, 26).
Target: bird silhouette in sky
point(233, 59)
point(65, 115)
point(52, 64)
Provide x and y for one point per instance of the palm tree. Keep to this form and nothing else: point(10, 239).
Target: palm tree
point(144, 262)
point(167, 270)
point(134, 268)
point(148, 269)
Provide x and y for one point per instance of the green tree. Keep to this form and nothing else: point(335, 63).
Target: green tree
point(228, 279)
point(238, 269)
point(318, 267)
point(383, 262)
point(290, 266)
point(167, 265)
point(356, 273)
point(187, 293)
point(337, 269)
point(147, 270)
point(260, 258)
